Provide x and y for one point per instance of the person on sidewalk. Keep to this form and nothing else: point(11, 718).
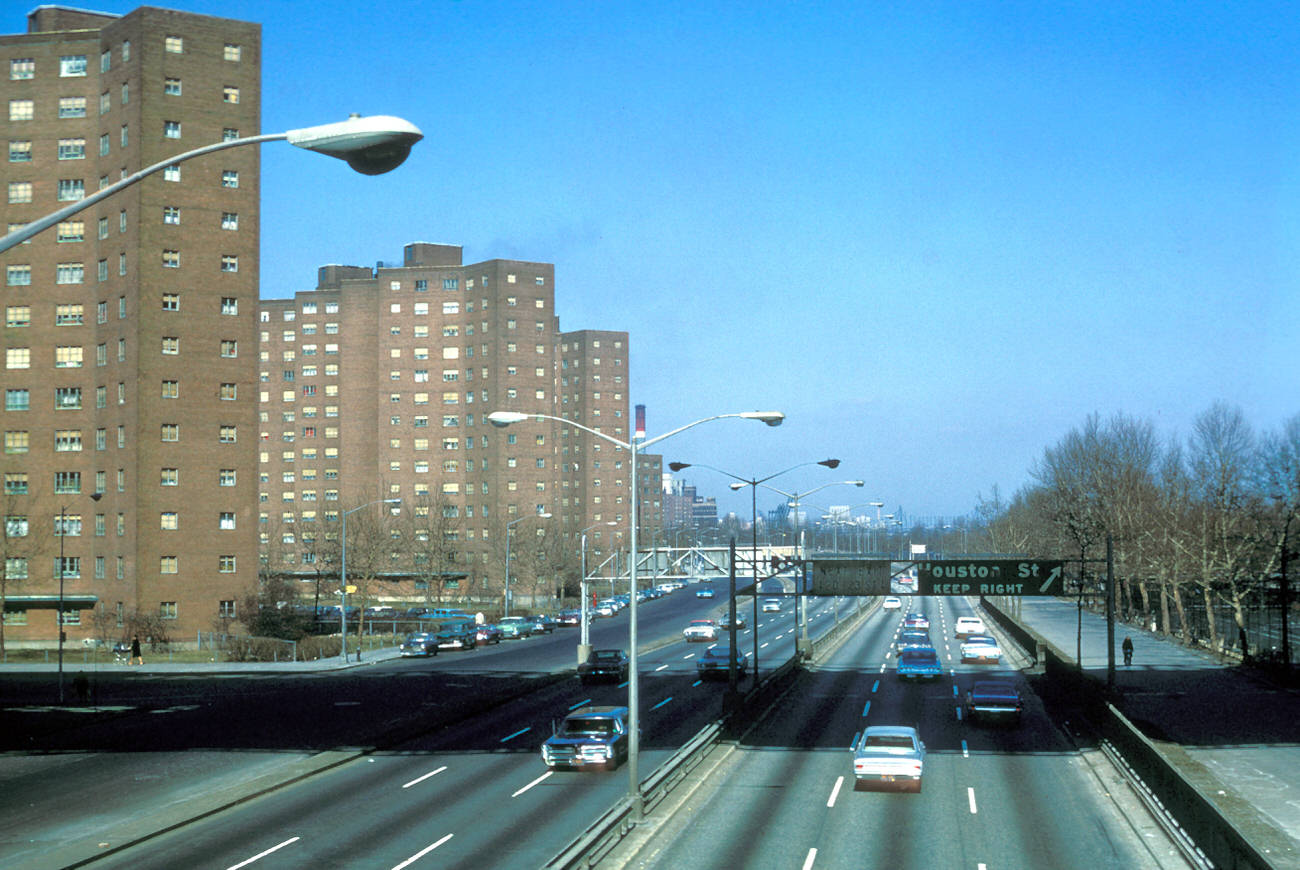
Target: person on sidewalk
point(135, 650)
point(1128, 650)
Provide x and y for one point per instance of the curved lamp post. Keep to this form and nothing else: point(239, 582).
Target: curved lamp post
point(753, 483)
point(505, 418)
point(371, 146)
point(343, 574)
point(509, 527)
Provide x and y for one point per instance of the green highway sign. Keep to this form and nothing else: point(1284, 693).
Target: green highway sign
point(990, 577)
point(850, 577)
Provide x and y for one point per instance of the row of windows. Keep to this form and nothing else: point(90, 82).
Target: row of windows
point(166, 609)
point(70, 314)
point(74, 65)
point(70, 356)
point(74, 189)
point(17, 441)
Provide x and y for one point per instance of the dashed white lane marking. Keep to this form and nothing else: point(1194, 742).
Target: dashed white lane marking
point(808, 862)
point(533, 783)
point(420, 854)
point(260, 855)
point(970, 794)
point(420, 779)
point(835, 792)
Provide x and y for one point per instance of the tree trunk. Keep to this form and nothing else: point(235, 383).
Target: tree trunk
point(1164, 607)
point(1213, 629)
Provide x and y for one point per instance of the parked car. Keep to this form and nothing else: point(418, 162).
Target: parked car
point(993, 700)
point(418, 643)
point(457, 634)
point(701, 630)
point(516, 627)
point(488, 633)
point(604, 664)
point(981, 649)
point(543, 624)
point(715, 662)
point(772, 605)
point(968, 625)
point(589, 737)
point(572, 616)
point(916, 620)
point(889, 755)
point(919, 663)
point(892, 603)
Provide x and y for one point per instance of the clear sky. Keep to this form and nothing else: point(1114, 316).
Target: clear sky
point(936, 235)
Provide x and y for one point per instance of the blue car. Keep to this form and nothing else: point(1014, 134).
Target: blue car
point(919, 663)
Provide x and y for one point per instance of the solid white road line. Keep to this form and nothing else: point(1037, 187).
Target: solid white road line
point(970, 794)
point(420, 854)
point(533, 783)
point(261, 855)
point(420, 779)
point(835, 792)
point(808, 862)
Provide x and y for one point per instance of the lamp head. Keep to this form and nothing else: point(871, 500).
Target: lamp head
point(830, 463)
point(502, 419)
point(771, 418)
point(371, 146)
point(738, 485)
point(678, 466)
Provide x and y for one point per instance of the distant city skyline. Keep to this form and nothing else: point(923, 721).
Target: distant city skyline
point(937, 237)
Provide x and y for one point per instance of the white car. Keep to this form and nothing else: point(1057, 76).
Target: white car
point(892, 603)
point(701, 631)
point(980, 648)
point(968, 625)
point(889, 755)
point(772, 605)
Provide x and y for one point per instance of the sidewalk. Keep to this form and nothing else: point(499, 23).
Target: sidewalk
point(1231, 731)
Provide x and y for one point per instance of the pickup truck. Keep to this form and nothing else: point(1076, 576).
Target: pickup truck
point(919, 663)
point(991, 700)
point(589, 737)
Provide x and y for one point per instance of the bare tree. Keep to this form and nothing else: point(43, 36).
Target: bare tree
point(431, 531)
point(19, 548)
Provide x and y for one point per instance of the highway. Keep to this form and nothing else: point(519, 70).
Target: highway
point(463, 786)
point(995, 797)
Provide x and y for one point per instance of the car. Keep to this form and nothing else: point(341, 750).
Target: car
point(603, 609)
point(604, 664)
point(418, 643)
point(912, 639)
point(516, 627)
point(916, 620)
point(889, 756)
point(919, 663)
point(614, 605)
point(968, 625)
point(488, 633)
point(892, 603)
point(772, 605)
point(589, 737)
point(701, 631)
point(704, 593)
point(724, 622)
point(981, 648)
point(715, 662)
point(993, 701)
point(543, 624)
point(457, 634)
point(572, 616)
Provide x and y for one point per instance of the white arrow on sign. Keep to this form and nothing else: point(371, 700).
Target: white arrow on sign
point(1051, 578)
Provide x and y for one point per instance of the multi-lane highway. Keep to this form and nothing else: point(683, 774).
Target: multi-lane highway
point(464, 784)
point(994, 797)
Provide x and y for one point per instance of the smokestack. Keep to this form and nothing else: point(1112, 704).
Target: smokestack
point(640, 423)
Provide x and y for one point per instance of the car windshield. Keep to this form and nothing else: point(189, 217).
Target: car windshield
point(604, 655)
point(577, 727)
point(920, 655)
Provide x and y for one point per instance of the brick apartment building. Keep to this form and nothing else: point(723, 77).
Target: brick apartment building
point(377, 385)
point(130, 335)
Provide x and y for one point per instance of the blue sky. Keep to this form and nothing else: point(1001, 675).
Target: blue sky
point(936, 235)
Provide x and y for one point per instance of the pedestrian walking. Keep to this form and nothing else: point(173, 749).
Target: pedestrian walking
point(135, 650)
point(1128, 650)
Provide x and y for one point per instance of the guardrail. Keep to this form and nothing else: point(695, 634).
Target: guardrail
point(1199, 820)
point(606, 832)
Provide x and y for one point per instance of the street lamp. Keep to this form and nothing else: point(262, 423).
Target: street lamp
point(509, 526)
point(501, 419)
point(343, 574)
point(63, 530)
point(753, 483)
point(371, 146)
point(584, 641)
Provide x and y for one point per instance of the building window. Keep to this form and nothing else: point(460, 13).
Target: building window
point(72, 149)
point(229, 305)
point(172, 129)
point(167, 609)
point(174, 44)
point(15, 484)
point(172, 87)
point(71, 231)
point(226, 520)
point(171, 432)
point(169, 521)
point(229, 220)
point(69, 107)
point(226, 477)
point(172, 173)
point(229, 178)
point(17, 400)
point(231, 52)
point(171, 345)
point(171, 215)
point(171, 389)
point(229, 263)
point(67, 398)
point(18, 276)
point(226, 435)
point(68, 357)
point(229, 348)
point(25, 110)
point(71, 189)
point(171, 259)
point(69, 273)
point(170, 477)
point(72, 65)
point(18, 357)
point(22, 68)
point(20, 151)
point(229, 94)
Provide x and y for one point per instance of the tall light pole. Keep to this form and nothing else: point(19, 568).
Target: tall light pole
point(753, 484)
point(371, 146)
point(509, 526)
point(343, 573)
point(634, 447)
point(584, 642)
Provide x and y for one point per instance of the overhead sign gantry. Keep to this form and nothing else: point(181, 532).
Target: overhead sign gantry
point(938, 577)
